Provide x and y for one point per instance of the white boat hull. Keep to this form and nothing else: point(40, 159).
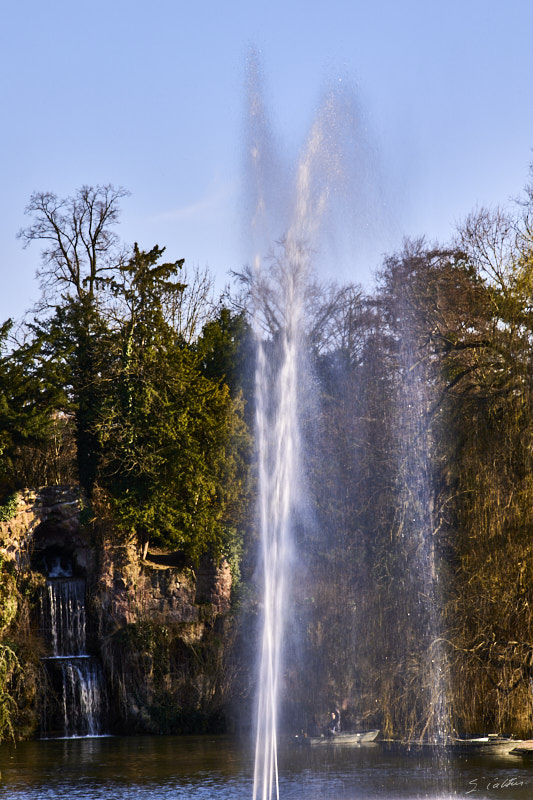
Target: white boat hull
point(343, 738)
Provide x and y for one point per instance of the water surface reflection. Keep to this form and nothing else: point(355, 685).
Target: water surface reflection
point(218, 768)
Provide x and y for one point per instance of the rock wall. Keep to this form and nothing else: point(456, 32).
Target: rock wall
point(55, 510)
point(160, 625)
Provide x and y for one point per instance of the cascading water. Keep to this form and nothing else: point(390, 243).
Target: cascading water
point(74, 674)
point(63, 607)
point(82, 697)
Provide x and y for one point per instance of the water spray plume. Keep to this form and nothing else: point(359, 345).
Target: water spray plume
point(278, 291)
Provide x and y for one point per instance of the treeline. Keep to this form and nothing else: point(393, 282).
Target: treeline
point(414, 580)
point(131, 380)
point(418, 601)
point(128, 381)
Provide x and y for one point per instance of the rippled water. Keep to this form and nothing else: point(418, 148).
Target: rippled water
point(217, 768)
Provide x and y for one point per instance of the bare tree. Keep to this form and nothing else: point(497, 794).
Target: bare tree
point(335, 316)
point(492, 239)
point(81, 245)
point(332, 312)
point(188, 311)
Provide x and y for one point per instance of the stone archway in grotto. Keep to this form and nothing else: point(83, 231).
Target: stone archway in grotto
point(61, 551)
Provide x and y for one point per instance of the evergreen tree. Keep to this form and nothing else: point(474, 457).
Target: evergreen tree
point(170, 435)
point(30, 393)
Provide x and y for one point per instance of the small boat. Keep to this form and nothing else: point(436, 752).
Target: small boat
point(492, 743)
point(524, 749)
point(474, 745)
point(344, 738)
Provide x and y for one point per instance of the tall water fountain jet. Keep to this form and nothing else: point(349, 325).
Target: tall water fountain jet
point(278, 292)
point(278, 448)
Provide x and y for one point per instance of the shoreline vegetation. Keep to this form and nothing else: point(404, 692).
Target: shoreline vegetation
point(131, 386)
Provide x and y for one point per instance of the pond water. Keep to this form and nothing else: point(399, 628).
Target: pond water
point(218, 768)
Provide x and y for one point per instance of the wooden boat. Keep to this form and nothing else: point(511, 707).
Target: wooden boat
point(524, 749)
point(344, 738)
point(474, 745)
point(492, 743)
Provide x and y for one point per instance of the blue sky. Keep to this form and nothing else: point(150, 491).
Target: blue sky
point(150, 96)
